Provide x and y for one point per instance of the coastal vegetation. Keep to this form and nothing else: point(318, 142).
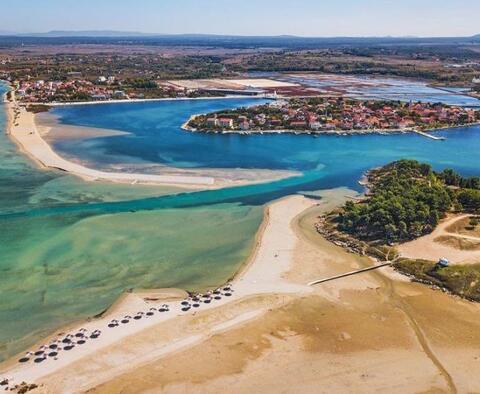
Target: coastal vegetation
point(462, 280)
point(405, 200)
point(37, 108)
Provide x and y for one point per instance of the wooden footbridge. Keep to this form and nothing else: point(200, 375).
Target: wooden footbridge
point(316, 282)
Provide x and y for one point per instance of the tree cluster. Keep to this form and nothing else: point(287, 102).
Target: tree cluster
point(406, 201)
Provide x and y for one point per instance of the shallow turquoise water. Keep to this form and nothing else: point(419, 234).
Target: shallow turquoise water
point(69, 248)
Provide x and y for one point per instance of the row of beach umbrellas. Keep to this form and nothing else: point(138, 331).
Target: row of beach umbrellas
point(70, 341)
point(67, 343)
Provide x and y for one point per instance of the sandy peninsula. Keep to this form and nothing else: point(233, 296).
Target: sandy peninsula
point(32, 139)
point(372, 332)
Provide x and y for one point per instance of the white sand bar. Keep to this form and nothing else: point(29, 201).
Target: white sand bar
point(25, 133)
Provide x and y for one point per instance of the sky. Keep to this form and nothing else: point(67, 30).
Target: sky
point(314, 18)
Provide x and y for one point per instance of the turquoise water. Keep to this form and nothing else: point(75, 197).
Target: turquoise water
point(69, 248)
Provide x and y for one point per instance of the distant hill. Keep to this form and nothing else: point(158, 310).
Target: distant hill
point(113, 37)
point(86, 33)
point(220, 37)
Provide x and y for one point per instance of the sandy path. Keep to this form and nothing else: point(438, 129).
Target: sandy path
point(427, 248)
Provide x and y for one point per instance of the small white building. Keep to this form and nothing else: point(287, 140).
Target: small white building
point(315, 125)
point(442, 263)
point(476, 81)
point(119, 94)
point(101, 79)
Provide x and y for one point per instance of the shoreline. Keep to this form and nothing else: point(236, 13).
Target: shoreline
point(256, 277)
point(188, 128)
point(24, 132)
point(373, 324)
point(126, 101)
point(28, 139)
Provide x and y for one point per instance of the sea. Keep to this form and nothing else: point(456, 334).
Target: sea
point(69, 248)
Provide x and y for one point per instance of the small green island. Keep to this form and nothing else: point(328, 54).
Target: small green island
point(334, 115)
point(406, 201)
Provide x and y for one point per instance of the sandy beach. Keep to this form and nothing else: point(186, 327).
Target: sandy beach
point(262, 275)
point(371, 332)
point(32, 140)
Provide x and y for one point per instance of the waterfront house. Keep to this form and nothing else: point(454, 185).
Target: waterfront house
point(298, 124)
point(244, 125)
point(212, 122)
point(225, 122)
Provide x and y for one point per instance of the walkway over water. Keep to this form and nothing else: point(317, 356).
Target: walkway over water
point(316, 282)
point(429, 135)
